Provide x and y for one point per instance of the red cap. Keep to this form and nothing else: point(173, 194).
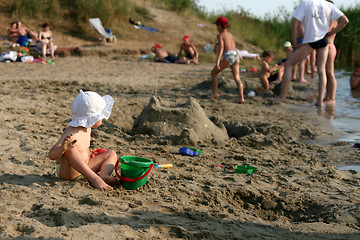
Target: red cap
point(222, 21)
point(157, 45)
point(186, 37)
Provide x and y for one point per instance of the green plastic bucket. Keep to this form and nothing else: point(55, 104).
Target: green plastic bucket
point(134, 171)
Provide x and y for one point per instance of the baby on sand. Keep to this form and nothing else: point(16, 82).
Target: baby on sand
point(72, 152)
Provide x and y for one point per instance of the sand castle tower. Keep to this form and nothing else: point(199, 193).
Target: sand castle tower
point(181, 123)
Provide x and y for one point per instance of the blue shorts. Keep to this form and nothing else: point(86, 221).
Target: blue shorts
point(171, 59)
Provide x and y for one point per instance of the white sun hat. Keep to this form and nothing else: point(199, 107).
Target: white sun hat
point(89, 107)
point(287, 44)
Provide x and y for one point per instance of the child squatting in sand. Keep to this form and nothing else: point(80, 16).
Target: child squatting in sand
point(72, 152)
point(227, 50)
point(268, 74)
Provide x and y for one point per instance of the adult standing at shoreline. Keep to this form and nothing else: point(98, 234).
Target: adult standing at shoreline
point(315, 15)
point(331, 84)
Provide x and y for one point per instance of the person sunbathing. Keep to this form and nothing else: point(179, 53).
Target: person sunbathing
point(189, 49)
point(25, 34)
point(13, 32)
point(46, 41)
point(162, 56)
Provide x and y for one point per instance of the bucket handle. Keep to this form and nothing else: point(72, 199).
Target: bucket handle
point(125, 179)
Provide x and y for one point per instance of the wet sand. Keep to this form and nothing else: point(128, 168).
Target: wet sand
point(296, 193)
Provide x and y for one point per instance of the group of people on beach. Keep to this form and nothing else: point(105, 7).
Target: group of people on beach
point(315, 25)
point(190, 52)
point(24, 36)
point(325, 50)
point(72, 152)
point(317, 18)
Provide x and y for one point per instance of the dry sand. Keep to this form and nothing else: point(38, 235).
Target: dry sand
point(297, 193)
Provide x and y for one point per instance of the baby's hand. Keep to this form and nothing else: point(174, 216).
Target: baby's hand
point(67, 144)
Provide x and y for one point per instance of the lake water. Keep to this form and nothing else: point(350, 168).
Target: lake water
point(345, 115)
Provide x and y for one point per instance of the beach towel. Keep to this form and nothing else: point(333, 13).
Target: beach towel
point(96, 24)
point(246, 54)
point(153, 30)
point(138, 25)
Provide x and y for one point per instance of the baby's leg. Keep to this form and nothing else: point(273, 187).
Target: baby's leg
point(264, 82)
point(104, 164)
point(236, 74)
point(75, 161)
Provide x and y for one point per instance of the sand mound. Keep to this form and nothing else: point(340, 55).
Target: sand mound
point(182, 123)
point(226, 85)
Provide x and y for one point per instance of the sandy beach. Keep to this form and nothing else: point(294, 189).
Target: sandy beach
point(297, 192)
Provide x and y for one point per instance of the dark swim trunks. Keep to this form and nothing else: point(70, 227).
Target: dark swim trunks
point(189, 56)
point(273, 77)
point(171, 59)
point(320, 44)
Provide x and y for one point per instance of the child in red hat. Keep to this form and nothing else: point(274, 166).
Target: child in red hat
point(162, 55)
point(227, 51)
point(189, 49)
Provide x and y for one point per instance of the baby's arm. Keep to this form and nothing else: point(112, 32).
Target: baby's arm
point(60, 147)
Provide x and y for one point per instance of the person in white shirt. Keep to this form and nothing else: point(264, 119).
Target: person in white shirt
point(315, 15)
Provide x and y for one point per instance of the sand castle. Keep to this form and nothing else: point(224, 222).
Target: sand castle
point(182, 123)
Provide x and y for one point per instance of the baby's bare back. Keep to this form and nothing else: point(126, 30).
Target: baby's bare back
point(82, 137)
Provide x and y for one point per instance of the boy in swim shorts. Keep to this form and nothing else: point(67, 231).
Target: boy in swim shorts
point(268, 74)
point(162, 56)
point(355, 77)
point(315, 16)
point(189, 49)
point(227, 51)
point(72, 153)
